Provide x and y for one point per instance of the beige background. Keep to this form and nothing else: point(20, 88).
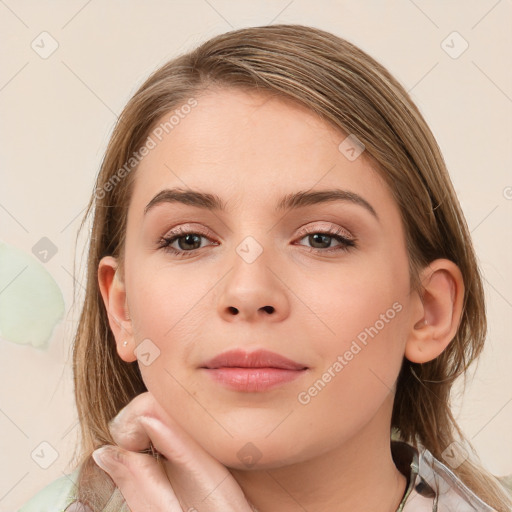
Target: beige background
point(57, 114)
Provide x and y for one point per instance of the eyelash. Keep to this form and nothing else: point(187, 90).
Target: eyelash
point(346, 244)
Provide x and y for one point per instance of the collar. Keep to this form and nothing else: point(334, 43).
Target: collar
point(431, 485)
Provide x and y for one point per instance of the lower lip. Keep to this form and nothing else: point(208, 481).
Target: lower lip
point(253, 379)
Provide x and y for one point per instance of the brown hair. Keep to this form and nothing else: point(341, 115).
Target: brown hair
point(353, 92)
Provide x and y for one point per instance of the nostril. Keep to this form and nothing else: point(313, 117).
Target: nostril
point(233, 310)
point(268, 309)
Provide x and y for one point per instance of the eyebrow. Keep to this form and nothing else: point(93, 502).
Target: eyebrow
point(291, 201)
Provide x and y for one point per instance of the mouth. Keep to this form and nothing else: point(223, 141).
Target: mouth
point(252, 372)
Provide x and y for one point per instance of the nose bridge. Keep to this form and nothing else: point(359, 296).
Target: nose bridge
point(252, 265)
point(254, 240)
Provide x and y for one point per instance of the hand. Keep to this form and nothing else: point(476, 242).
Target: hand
point(186, 479)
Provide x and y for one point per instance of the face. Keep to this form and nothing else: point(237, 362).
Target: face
point(323, 283)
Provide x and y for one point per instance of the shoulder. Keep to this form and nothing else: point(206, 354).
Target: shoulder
point(61, 496)
point(55, 497)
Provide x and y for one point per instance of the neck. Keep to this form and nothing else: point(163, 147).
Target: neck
point(356, 476)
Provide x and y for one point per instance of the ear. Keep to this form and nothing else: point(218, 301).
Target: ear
point(439, 310)
point(114, 296)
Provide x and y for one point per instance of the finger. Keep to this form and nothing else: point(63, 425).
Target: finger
point(140, 478)
point(194, 473)
point(125, 428)
point(129, 430)
point(130, 433)
point(198, 479)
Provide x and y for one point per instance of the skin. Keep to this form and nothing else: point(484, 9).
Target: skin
point(332, 453)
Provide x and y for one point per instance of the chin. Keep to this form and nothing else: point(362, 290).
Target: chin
point(256, 454)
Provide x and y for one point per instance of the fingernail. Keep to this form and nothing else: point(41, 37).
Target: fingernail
point(106, 457)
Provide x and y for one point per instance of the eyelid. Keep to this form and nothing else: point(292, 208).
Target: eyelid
point(189, 227)
point(328, 226)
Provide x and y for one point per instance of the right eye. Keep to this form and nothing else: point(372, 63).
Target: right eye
point(188, 242)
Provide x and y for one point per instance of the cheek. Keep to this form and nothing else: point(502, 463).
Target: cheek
point(167, 312)
point(362, 358)
point(354, 303)
point(361, 352)
point(160, 301)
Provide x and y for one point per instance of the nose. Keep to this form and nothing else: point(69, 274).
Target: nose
point(254, 292)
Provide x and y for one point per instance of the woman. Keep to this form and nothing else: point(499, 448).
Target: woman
point(281, 291)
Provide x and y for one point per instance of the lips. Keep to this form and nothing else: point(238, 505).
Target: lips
point(252, 372)
point(257, 359)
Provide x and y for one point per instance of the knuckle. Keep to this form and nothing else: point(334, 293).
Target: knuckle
point(139, 464)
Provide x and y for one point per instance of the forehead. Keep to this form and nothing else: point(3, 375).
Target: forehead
point(228, 123)
point(247, 144)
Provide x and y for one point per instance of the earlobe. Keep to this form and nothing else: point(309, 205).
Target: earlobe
point(439, 311)
point(113, 293)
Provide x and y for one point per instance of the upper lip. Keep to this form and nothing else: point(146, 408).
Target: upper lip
point(257, 359)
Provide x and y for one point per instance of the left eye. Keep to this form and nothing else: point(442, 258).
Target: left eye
point(321, 241)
